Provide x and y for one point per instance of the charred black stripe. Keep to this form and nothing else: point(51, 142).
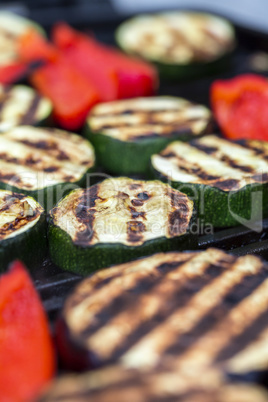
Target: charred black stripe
point(175, 301)
point(204, 148)
point(233, 164)
point(194, 170)
point(84, 213)
point(28, 117)
point(238, 293)
point(135, 230)
point(140, 111)
point(249, 335)
point(5, 98)
point(124, 300)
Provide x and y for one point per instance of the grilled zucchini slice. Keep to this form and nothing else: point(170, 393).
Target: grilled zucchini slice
point(126, 133)
point(182, 44)
point(200, 309)
point(44, 162)
point(227, 180)
point(118, 220)
point(164, 384)
point(22, 230)
point(21, 105)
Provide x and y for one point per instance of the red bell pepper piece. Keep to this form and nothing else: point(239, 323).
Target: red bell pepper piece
point(115, 74)
point(240, 106)
point(12, 72)
point(71, 94)
point(27, 360)
point(33, 46)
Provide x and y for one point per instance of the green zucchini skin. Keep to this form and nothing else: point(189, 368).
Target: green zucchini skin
point(84, 260)
point(213, 205)
point(128, 157)
point(29, 247)
point(182, 72)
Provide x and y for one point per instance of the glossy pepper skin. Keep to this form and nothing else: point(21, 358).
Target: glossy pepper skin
point(240, 106)
point(27, 360)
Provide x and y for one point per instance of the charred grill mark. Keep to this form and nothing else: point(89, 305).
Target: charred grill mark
point(144, 196)
point(51, 169)
point(202, 174)
point(84, 213)
point(173, 302)
point(229, 184)
point(6, 177)
point(168, 155)
point(18, 222)
point(204, 148)
point(250, 334)
point(137, 203)
point(122, 195)
point(233, 164)
point(135, 230)
point(46, 146)
point(124, 300)
point(178, 222)
point(262, 177)
point(5, 157)
point(235, 296)
point(4, 99)
point(29, 116)
point(136, 214)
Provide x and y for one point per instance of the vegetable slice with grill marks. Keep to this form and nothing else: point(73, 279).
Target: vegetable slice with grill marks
point(126, 133)
point(200, 310)
point(44, 162)
point(182, 44)
point(21, 105)
point(228, 180)
point(164, 384)
point(22, 224)
point(116, 221)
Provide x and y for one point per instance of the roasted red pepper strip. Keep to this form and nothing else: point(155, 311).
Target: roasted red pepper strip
point(240, 106)
point(32, 46)
point(12, 72)
point(27, 360)
point(71, 94)
point(115, 74)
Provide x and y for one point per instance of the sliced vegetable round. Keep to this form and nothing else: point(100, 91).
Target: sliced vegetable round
point(227, 180)
point(44, 162)
point(181, 43)
point(22, 229)
point(180, 307)
point(116, 221)
point(164, 384)
point(12, 26)
point(21, 105)
point(126, 133)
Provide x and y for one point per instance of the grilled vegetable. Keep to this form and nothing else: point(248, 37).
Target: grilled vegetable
point(227, 180)
point(206, 309)
point(22, 225)
point(116, 221)
point(21, 105)
point(12, 26)
point(44, 162)
point(240, 106)
point(26, 351)
point(182, 44)
point(115, 383)
point(126, 133)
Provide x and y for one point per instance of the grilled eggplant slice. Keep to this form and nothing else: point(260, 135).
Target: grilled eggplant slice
point(21, 105)
point(44, 163)
point(126, 133)
point(164, 384)
point(118, 220)
point(203, 309)
point(181, 44)
point(22, 230)
point(227, 180)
